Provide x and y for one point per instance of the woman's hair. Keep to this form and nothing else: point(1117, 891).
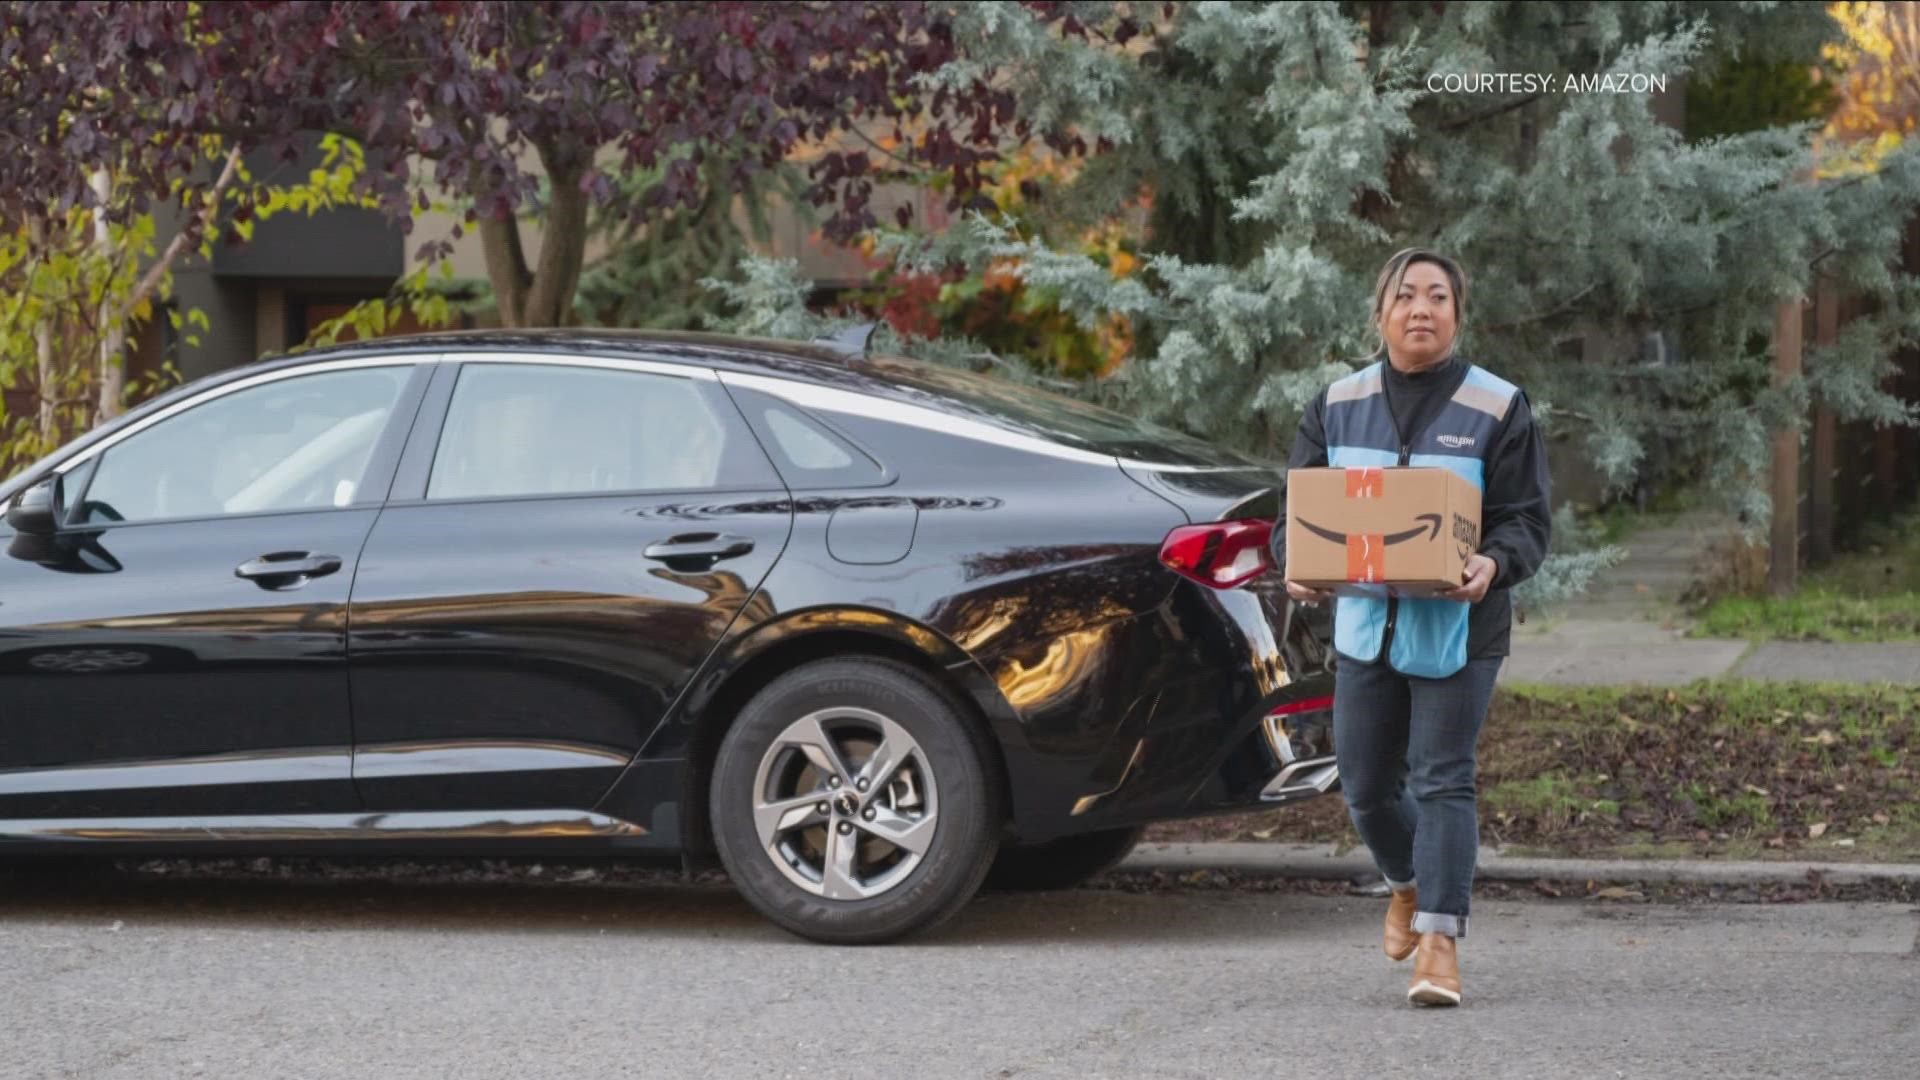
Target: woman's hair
point(1395, 271)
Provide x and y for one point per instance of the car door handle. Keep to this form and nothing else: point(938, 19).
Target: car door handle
point(698, 548)
point(286, 569)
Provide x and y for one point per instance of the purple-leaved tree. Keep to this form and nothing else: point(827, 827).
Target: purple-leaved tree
point(478, 92)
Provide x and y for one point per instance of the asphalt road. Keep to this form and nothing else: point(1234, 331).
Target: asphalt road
point(115, 976)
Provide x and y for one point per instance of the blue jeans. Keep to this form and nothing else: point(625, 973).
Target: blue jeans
point(1406, 751)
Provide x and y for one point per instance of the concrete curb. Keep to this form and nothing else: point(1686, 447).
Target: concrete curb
point(1324, 861)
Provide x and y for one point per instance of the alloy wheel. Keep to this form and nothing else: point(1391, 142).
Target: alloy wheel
point(845, 803)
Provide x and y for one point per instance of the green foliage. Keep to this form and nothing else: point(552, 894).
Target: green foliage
point(1284, 172)
point(1752, 93)
point(996, 306)
point(1872, 594)
point(650, 273)
point(1580, 551)
point(1814, 614)
point(62, 279)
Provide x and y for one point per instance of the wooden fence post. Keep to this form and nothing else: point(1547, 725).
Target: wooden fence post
point(1783, 568)
point(1826, 330)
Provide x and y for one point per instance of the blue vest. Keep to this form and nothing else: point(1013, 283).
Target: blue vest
point(1429, 636)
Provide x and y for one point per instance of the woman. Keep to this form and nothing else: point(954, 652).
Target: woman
point(1415, 676)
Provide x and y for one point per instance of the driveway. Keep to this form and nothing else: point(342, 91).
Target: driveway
point(113, 975)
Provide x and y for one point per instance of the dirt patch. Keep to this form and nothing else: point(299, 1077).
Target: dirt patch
point(1723, 769)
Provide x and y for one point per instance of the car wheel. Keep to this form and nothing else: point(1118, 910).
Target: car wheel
point(1062, 863)
point(853, 802)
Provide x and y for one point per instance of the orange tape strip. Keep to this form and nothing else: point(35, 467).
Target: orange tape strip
point(1366, 483)
point(1366, 557)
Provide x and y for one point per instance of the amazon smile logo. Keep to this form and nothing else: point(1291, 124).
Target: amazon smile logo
point(1431, 528)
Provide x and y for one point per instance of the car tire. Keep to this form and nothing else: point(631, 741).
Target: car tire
point(1065, 863)
point(802, 746)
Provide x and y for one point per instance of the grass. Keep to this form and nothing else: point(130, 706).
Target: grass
point(1726, 769)
point(1868, 595)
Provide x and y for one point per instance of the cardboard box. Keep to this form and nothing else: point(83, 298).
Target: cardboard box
point(1355, 531)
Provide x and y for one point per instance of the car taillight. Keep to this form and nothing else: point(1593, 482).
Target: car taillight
point(1305, 705)
point(1220, 555)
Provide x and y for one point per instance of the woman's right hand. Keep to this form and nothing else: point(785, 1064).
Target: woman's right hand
point(1304, 595)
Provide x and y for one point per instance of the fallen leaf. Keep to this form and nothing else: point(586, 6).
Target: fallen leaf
point(1696, 709)
point(1776, 841)
point(1545, 889)
point(1817, 830)
point(1848, 842)
point(1760, 791)
point(1619, 892)
point(1264, 834)
point(1882, 819)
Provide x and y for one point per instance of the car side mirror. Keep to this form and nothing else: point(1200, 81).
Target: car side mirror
point(35, 511)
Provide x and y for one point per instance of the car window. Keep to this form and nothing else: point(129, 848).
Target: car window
point(299, 443)
point(548, 429)
point(809, 455)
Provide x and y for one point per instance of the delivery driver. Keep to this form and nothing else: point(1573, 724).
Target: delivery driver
point(1415, 676)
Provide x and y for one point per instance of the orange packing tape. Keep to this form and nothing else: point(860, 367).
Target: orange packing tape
point(1366, 556)
point(1365, 483)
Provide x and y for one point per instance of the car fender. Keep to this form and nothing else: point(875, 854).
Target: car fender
point(889, 631)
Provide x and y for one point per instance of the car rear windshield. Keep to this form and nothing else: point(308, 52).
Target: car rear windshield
point(1054, 417)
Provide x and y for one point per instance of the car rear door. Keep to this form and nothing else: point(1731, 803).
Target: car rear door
point(177, 646)
point(567, 541)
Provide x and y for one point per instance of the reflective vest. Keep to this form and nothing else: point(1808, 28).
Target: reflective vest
point(1429, 636)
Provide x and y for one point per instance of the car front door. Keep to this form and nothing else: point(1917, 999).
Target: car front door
point(567, 540)
point(176, 644)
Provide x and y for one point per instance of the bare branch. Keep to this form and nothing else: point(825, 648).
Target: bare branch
point(151, 279)
point(1500, 110)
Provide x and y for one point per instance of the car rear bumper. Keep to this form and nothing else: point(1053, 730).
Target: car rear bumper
point(1302, 742)
point(1248, 725)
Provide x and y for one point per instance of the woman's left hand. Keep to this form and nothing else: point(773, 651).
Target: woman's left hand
point(1479, 571)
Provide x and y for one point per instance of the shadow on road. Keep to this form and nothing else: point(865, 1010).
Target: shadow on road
point(487, 897)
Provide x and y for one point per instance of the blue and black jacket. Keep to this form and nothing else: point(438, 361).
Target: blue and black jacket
point(1460, 417)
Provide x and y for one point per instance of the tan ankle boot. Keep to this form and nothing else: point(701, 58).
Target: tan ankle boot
point(1436, 972)
point(1400, 940)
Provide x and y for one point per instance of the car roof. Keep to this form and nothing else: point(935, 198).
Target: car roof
point(774, 356)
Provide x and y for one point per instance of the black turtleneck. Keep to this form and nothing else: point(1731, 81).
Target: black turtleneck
point(1417, 398)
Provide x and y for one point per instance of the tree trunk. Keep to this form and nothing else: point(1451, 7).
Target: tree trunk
point(46, 389)
point(563, 247)
point(1826, 330)
point(1783, 568)
point(48, 384)
point(111, 383)
point(506, 266)
point(542, 295)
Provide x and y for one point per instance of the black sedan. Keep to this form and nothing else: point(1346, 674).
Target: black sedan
point(866, 629)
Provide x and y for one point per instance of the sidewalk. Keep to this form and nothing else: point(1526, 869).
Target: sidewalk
point(1629, 630)
point(1592, 652)
point(1325, 861)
